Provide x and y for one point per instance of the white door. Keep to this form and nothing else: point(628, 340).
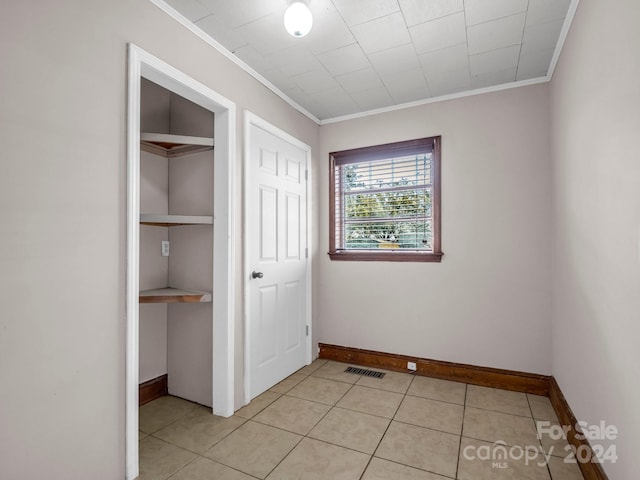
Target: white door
point(276, 259)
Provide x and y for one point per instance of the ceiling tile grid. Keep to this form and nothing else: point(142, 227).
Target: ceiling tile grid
point(363, 55)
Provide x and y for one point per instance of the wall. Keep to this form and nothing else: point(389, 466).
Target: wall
point(63, 210)
point(595, 116)
point(155, 116)
point(487, 303)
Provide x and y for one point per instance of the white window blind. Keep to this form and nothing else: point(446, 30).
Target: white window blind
point(384, 198)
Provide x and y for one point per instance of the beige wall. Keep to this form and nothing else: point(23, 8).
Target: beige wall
point(487, 303)
point(63, 208)
point(595, 98)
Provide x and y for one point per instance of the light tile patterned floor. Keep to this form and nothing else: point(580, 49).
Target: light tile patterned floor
point(323, 423)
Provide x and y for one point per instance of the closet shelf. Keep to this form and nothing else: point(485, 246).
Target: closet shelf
point(174, 220)
point(172, 146)
point(174, 295)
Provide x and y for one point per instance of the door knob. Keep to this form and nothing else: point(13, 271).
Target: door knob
point(255, 274)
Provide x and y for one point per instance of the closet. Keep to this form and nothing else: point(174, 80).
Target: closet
point(176, 243)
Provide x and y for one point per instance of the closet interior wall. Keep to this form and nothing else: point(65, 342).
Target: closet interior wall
point(176, 338)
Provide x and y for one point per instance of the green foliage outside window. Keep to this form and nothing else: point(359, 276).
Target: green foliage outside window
point(403, 207)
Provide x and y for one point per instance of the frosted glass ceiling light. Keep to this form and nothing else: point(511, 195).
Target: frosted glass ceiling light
point(298, 19)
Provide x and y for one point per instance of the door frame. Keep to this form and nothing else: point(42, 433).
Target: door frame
point(143, 64)
point(251, 119)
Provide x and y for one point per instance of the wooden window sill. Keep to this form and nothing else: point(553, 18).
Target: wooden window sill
point(389, 256)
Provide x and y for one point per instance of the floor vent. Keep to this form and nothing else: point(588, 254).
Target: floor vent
point(365, 372)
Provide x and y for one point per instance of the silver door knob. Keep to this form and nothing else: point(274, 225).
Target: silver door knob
point(255, 274)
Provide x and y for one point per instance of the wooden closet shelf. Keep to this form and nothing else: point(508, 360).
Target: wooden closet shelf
point(174, 295)
point(174, 220)
point(172, 146)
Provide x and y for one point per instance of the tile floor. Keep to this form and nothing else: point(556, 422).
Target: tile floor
point(323, 423)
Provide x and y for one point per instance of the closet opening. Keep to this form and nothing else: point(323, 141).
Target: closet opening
point(180, 245)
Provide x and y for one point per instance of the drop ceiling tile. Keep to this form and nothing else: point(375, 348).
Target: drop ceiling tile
point(328, 33)
point(241, 12)
point(480, 11)
point(541, 36)
point(249, 55)
point(495, 60)
point(382, 33)
point(373, 98)
point(395, 59)
point(333, 103)
point(450, 58)
point(215, 27)
point(298, 95)
point(500, 33)
point(493, 78)
point(534, 64)
point(364, 79)
point(315, 81)
point(407, 86)
point(279, 79)
point(293, 61)
point(267, 34)
point(407, 96)
point(192, 9)
point(420, 11)
point(344, 59)
point(356, 12)
point(321, 7)
point(541, 11)
point(441, 33)
point(410, 79)
point(360, 54)
point(452, 81)
point(303, 99)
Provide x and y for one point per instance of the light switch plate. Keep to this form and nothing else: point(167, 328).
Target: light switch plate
point(165, 248)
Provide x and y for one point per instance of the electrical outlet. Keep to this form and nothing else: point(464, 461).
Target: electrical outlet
point(165, 248)
point(412, 366)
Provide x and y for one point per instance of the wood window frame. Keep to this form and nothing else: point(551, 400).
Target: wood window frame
point(378, 152)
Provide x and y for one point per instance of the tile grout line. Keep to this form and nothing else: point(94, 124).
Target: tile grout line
point(464, 410)
point(404, 395)
point(331, 407)
point(314, 425)
point(247, 420)
point(201, 455)
point(500, 411)
point(197, 405)
point(544, 453)
point(243, 472)
point(180, 448)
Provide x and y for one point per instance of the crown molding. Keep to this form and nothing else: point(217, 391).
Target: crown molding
point(185, 22)
point(480, 91)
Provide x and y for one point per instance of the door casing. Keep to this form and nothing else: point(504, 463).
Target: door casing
point(143, 64)
point(249, 120)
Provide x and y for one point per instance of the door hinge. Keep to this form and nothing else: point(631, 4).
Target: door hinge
point(306, 175)
point(307, 330)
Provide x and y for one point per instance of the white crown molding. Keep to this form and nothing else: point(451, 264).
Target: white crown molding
point(442, 98)
point(185, 22)
point(563, 36)
point(495, 88)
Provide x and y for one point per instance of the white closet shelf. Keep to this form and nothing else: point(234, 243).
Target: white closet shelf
point(174, 220)
point(174, 295)
point(171, 146)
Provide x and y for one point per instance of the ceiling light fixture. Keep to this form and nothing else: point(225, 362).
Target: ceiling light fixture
point(298, 19)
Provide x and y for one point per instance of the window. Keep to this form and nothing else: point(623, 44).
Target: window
point(385, 202)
